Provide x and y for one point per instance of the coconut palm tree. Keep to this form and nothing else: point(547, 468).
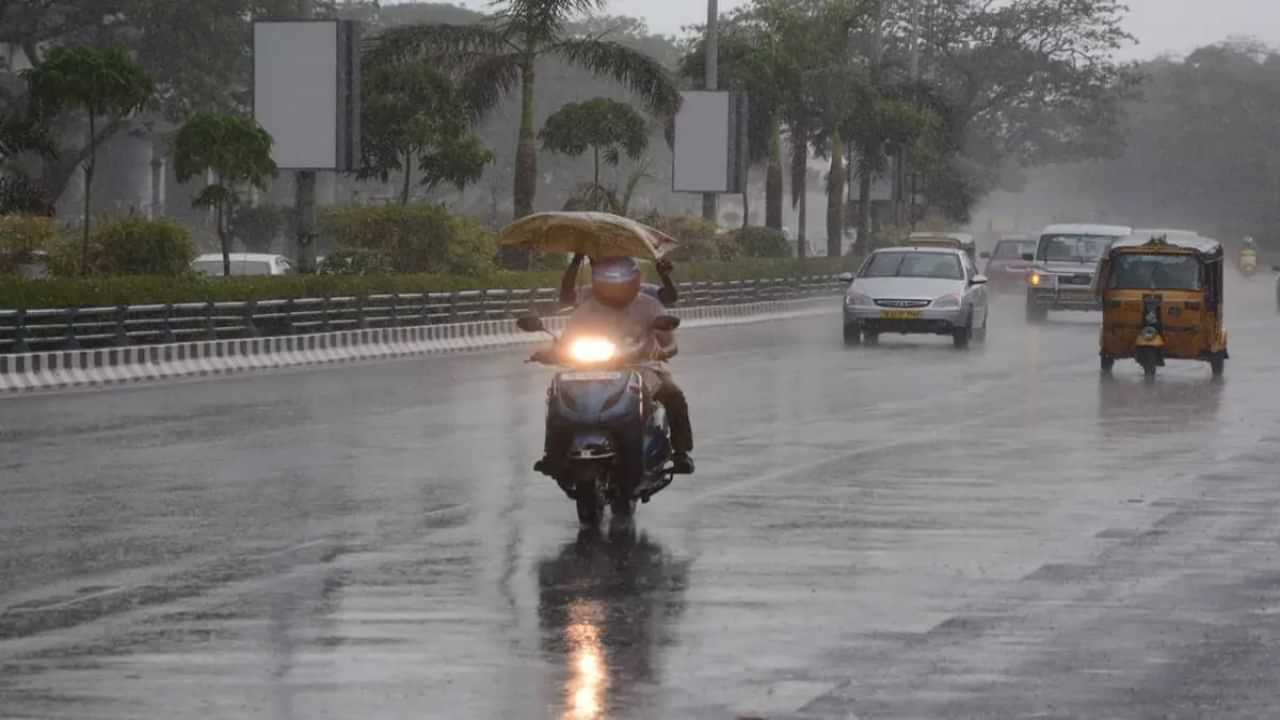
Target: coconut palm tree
point(502, 52)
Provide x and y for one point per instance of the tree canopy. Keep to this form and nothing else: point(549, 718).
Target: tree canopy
point(236, 150)
point(607, 127)
point(415, 114)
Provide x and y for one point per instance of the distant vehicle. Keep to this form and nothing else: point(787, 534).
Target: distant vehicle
point(1006, 269)
point(243, 264)
point(1063, 267)
point(916, 290)
point(960, 241)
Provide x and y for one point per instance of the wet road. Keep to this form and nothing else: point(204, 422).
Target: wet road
point(904, 531)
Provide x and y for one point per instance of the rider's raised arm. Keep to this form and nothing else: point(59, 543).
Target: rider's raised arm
point(569, 282)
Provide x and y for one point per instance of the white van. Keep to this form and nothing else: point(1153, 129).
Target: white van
point(243, 264)
point(1063, 266)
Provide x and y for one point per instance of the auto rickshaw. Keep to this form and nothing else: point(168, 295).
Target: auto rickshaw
point(1162, 299)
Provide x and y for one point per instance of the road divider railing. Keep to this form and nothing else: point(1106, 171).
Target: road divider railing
point(87, 328)
point(198, 357)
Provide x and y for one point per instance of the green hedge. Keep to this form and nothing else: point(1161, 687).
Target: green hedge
point(21, 236)
point(412, 238)
point(126, 246)
point(146, 290)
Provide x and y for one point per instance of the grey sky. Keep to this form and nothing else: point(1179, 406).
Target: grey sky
point(1160, 25)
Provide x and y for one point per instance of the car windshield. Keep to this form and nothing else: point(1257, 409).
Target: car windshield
point(1012, 250)
point(943, 266)
point(1073, 248)
point(1155, 272)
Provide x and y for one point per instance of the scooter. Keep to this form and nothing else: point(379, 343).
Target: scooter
point(613, 441)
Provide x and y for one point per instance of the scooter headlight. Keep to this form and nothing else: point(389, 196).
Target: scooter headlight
point(1149, 333)
point(592, 350)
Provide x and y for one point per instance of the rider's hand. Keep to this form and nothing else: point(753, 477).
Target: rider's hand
point(665, 266)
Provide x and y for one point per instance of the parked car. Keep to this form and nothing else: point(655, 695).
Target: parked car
point(916, 290)
point(1006, 269)
point(1064, 265)
point(243, 264)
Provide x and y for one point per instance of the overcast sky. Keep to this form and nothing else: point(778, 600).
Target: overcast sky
point(1160, 25)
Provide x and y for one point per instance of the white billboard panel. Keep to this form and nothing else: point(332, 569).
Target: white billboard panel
point(704, 134)
point(296, 92)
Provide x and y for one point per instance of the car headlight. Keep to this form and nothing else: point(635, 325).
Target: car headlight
point(858, 299)
point(592, 350)
point(947, 301)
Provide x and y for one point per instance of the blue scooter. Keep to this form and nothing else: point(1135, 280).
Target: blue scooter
point(611, 444)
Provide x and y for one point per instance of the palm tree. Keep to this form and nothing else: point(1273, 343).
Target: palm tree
point(503, 51)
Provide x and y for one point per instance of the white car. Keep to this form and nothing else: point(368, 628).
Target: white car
point(243, 264)
point(917, 290)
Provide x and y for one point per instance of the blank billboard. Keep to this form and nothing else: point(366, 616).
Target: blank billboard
point(702, 143)
point(306, 92)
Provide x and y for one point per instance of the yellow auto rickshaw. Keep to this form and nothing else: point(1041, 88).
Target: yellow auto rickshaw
point(1162, 299)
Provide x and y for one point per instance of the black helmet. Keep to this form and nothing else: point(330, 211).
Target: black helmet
point(615, 281)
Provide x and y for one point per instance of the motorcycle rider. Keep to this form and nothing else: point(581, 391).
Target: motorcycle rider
point(667, 293)
point(617, 307)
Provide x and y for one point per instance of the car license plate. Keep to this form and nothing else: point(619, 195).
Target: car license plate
point(590, 376)
point(901, 314)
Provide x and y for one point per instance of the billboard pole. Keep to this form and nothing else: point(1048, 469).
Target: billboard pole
point(709, 200)
point(304, 199)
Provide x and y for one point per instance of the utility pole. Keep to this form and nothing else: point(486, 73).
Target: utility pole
point(710, 211)
point(304, 202)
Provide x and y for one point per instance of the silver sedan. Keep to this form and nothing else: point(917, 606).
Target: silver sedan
point(916, 290)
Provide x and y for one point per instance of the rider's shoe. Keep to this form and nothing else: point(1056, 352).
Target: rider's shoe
point(545, 467)
point(682, 464)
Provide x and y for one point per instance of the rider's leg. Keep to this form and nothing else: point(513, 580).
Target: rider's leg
point(673, 399)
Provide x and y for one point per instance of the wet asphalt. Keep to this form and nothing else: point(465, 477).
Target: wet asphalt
point(904, 531)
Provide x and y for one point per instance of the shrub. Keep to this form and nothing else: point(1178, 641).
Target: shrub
point(413, 238)
point(128, 246)
point(699, 239)
point(762, 242)
point(21, 237)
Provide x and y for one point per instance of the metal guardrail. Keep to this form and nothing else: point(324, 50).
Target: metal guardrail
point(98, 327)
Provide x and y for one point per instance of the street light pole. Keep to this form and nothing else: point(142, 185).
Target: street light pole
point(710, 200)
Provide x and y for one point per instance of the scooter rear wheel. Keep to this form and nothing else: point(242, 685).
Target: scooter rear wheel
point(586, 491)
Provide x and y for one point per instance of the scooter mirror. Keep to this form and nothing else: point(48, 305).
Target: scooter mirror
point(531, 323)
point(666, 323)
point(1029, 257)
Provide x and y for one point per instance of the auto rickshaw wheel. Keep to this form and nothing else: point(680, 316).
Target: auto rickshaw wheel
point(1218, 365)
